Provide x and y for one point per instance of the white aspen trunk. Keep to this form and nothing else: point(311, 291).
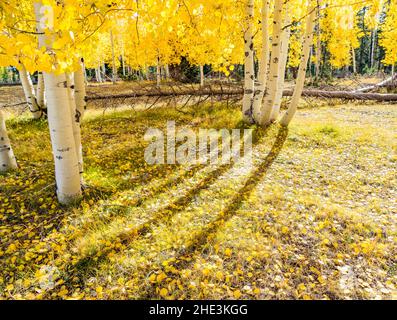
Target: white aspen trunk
point(201, 76)
point(28, 90)
point(40, 96)
point(158, 72)
point(79, 90)
point(75, 118)
point(7, 158)
point(300, 81)
point(272, 82)
point(114, 70)
point(354, 61)
point(167, 71)
point(61, 131)
point(263, 62)
point(249, 72)
point(40, 91)
point(318, 54)
point(122, 59)
point(103, 75)
point(85, 72)
point(67, 173)
point(373, 45)
point(282, 66)
point(147, 73)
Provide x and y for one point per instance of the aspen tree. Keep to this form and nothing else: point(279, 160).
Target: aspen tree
point(263, 62)
point(7, 158)
point(67, 173)
point(114, 69)
point(272, 82)
point(282, 66)
point(40, 91)
point(307, 41)
point(201, 76)
point(29, 92)
point(249, 72)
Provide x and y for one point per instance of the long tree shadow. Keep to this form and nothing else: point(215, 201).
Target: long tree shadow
point(184, 257)
point(86, 265)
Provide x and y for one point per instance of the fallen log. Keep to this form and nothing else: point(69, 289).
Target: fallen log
point(381, 84)
point(348, 95)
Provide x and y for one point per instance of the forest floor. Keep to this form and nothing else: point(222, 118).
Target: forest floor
point(315, 217)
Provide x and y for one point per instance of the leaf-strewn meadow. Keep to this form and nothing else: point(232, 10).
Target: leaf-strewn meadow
point(314, 218)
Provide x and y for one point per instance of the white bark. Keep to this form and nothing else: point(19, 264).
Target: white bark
point(354, 61)
point(67, 174)
point(300, 81)
point(79, 90)
point(114, 69)
point(61, 131)
point(40, 91)
point(28, 90)
point(158, 72)
point(249, 72)
point(75, 115)
point(7, 158)
point(98, 74)
point(263, 62)
point(40, 96)
point(201, 76)
point(167, 71)
point(282, 66)
point(272, 82)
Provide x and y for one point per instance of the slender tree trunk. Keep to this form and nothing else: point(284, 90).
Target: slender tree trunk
point(40, 91)
point(75, 119)
point(114, 69)
point(28, 90)
point(373, 46)
point(79, 90)
point(263, 62)
point(282, 66)
point(167, 71)
point(7, 158)
point(249, 72)
point(201, 76)
point(354, 61)
point(300, 81)
point(158, 72)
point(272, 82)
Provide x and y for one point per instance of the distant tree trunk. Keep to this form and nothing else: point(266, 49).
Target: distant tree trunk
point(300, 81)
point(201, 76)
point(373, 46)
point(167, 71)
point(114, 69)
point(263, 62)
point(249, 71)
point(354, 61)
point(318, 45)
point(28, 90)
point(7, 158)
point(158, 73)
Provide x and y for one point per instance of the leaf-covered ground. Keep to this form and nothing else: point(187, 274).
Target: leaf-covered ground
point(314, 218)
